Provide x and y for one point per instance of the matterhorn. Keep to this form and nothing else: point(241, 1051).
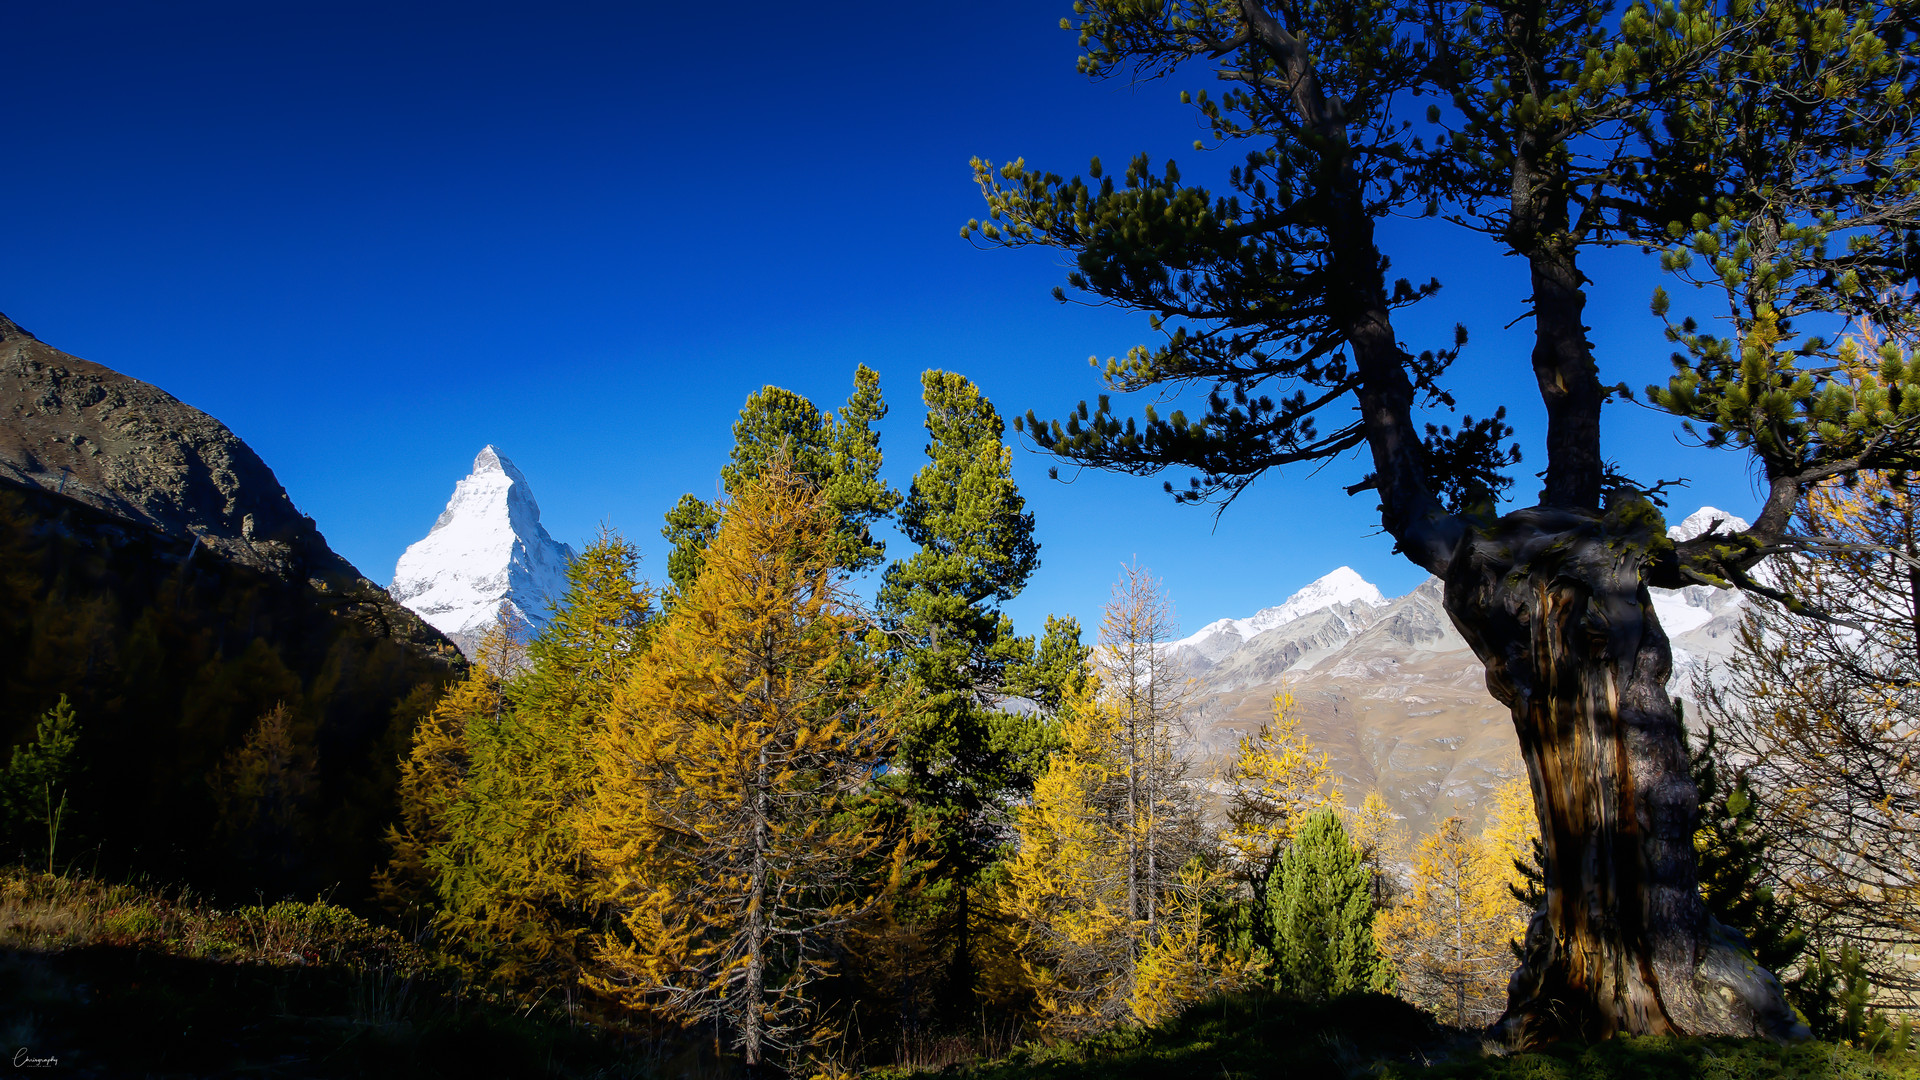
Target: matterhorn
point(487, 557)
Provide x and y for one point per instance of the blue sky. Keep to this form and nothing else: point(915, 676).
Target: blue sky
point(372, 238)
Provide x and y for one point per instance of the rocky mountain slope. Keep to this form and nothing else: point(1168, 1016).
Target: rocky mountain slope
point(91, 434)
point(157, 577)
point(486, 557)
point(1390, 690)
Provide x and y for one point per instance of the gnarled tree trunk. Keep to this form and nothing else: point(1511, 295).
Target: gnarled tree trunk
point(1555, 603)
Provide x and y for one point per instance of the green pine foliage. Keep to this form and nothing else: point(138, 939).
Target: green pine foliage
point(516, 888)
point(959, 752)
point(840, 454)
point(35, 784)
point(1320, 908)
point(691, 526)
point(1056, 671)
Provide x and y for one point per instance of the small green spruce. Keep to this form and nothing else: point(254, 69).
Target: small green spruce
point(1320, 907)
point(35, 783)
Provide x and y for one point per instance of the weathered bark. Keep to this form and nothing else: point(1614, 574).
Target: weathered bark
point(1555, 603)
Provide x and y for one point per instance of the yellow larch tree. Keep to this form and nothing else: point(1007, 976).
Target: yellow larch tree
point(517, 889)
point(1149, 694)
point(1513, 836)
point(1184, 961)
point(720, 815)
point(1382, 839)
point(261, 790)
point(1102, 899)
point(1450, 939)
point(431, 780)
point(1064, 901)
point(1275, 780)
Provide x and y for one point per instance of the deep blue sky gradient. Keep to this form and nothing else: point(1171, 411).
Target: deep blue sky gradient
point(373, 237)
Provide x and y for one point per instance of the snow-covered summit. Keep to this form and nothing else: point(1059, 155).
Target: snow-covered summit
point(1342, 586)
point(487, 552)
point(1697, 522)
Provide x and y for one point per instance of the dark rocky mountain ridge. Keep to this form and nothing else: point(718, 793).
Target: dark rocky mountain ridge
point(154, 572)
point(91, 434)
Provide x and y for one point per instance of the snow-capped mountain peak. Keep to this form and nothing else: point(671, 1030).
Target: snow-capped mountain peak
point(1342, 586)
point(1697, 522)
point(486, 553)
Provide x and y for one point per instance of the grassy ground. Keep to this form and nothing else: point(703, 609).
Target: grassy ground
point(1244, 1038)
point(114, 980)
point(119, 981)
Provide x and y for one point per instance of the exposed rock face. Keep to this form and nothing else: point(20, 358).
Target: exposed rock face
point(486, 558)
point(89, 433)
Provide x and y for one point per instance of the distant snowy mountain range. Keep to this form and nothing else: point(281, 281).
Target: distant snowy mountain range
point(487, 555)
point(1389, 689)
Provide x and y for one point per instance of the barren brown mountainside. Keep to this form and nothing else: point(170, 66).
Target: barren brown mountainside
point(1392, 693)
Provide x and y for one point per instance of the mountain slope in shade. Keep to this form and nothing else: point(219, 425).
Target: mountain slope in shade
point(88, 433)
point(1393, 694)
point(487, 555)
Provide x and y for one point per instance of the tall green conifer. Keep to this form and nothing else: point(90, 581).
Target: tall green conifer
point(976, 549)
point(840, 454)
point(960, 755)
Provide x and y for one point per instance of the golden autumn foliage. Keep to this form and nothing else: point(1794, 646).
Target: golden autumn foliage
point(1377, 832)
point(517, 889)
point(1064, 902)
point(1450, 938)
point(1075, 946)
point(721, 815)
point(1183, 962)
point(1273, 783)
point(431, 779)
point(262, 788)
point(1101, 903)
point(1512, 831)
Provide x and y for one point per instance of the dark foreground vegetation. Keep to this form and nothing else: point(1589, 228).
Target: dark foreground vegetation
point(124, 980)
point(116, 980)
point(1256, 1036)
point(170, 656)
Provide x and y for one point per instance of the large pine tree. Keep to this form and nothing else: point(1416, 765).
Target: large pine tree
point(958, 750)
point(1767, 152)
point(961, 756)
